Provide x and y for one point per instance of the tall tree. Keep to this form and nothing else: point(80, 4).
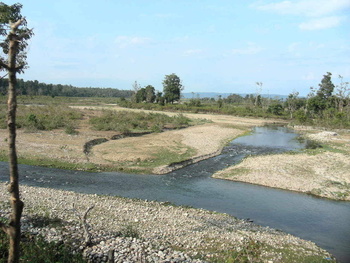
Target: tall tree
point(342, 94)
point(323, 98)
point(292, 103)
point(258, 92)
point(326, 87)
point(150, 94)
point(140, 95)
point(136, 87)
point(172, 88)
point(14, 31)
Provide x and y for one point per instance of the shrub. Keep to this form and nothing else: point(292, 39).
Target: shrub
point(301, 116)
point(276, 109)
point(36, 250)
point(42, 117)
point(126, 122)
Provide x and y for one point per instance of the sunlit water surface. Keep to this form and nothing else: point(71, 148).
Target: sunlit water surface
point(323, 221)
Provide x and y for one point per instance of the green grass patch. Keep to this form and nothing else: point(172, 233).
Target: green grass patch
point(166, 156)
point(35, 249)
point(33, 118)
point(250, 251)
point(162, 157)
point(127, 121)
point(325, 148)
point(296, 255)
point(52, 163)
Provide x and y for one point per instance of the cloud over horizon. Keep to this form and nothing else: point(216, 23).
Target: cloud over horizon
point(324, 13)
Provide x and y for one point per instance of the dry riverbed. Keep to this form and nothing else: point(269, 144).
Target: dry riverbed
point(148, 231)
point(323, 172)
point(150, 153)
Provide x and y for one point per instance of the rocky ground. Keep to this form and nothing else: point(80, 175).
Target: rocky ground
point(148, 231)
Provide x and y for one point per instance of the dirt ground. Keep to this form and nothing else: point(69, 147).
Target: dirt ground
point(191, 142)
point(321, 172)
point(324, 172)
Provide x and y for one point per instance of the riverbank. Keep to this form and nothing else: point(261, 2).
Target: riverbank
point(181, 234)
point(323, 171)
point(151, 153)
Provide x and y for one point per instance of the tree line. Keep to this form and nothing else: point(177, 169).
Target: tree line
point(172, 87)
point(36, 88)
point(328, 106)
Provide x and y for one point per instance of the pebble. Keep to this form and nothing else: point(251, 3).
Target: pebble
point(142, 231)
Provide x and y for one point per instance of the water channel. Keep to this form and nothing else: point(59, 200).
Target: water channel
point(325, 222)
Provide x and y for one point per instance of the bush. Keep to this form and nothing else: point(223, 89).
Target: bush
point(35, 249)
point(276, 109)
point(42, 117)
point(126, 122)
point(300, 116)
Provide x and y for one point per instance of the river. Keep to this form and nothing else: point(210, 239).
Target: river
point(323, 221)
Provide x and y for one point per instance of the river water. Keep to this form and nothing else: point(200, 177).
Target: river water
point(325, 222)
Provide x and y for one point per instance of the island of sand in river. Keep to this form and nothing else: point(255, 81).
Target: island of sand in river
point(322, 172)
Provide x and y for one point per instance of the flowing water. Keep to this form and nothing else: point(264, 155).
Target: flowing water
point(323, 221)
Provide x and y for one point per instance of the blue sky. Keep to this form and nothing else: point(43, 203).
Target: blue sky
point(213, 46)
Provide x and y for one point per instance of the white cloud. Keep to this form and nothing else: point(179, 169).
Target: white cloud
point(125, 41)
point(191, 52)
point(309, 76)
point(315, 45)
point(310, 8)
point(321, 23)
point(293, 47)
point(167, 15)
point(250, 49)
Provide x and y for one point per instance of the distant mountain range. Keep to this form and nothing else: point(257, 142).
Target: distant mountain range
point(215, 95)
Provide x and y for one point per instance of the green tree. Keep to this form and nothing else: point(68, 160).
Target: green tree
point(141, 95)
point(323, 99)
point(136, 87)
point(220, 102)
point(172, 88)
point(15, 34)
point(326, 87)
point(276, 109)
point(292, 103)
point(258, 102)
point(150, 94)
point(234, 98)
point(343, 94)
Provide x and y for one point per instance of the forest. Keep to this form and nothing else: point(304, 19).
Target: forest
point(36, 88)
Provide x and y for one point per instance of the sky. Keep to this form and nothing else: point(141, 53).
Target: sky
point(212, 45)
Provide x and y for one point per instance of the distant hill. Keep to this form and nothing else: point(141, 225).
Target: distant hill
point(215, 95)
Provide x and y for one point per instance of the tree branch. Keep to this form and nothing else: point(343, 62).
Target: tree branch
point(87, 234)
point(19, 68)
point(3, 65)
point(4, 227)
point(15, 25)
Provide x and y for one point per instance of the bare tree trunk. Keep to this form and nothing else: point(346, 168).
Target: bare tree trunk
point(14, 228)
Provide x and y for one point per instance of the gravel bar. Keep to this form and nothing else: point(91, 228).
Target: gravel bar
point(133, 230)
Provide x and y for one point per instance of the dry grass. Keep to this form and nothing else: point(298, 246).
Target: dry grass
point(322, 172)
point(135, 154)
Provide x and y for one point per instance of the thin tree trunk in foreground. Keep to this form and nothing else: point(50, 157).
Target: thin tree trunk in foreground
point(14, 227)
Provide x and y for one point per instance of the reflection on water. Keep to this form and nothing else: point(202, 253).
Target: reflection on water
point(322, 221)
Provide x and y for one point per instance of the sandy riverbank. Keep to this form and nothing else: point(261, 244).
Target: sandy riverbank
point(139, 154)
point(323, 172)
point(161, 232)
